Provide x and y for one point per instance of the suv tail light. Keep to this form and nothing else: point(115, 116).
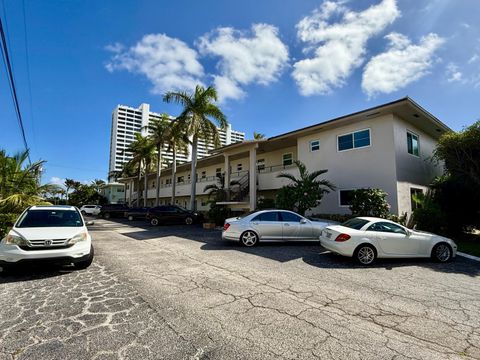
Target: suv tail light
point(342, 237)
point(226, 226)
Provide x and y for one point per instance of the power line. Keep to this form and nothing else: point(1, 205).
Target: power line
point(25, 33)
point(13, 90)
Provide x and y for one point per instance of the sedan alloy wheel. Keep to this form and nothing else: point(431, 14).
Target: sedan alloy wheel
point(249, 238)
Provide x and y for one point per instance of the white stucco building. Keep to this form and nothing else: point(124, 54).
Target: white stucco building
point(126, 121)
point(388, 147)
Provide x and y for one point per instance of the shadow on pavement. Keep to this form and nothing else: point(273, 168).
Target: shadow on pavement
point(21, 273)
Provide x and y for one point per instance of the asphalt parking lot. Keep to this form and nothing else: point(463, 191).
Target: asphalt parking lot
point(182, 293)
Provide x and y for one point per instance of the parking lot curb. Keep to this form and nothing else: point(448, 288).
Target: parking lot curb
point(471, 257)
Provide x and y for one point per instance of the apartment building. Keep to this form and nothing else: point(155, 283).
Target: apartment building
point(127, 121)
point(388, 147)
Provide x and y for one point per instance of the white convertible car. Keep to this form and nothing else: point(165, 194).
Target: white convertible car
point(368, 238)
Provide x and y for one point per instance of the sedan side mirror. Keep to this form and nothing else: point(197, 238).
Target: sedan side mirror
point(303, 221)
point(89, 223)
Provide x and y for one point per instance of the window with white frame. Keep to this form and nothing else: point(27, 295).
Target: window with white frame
point(354, 140)
point(345, 197)
point(239, 167)
point(287, 159)
point(314, 145)
point(412, 143)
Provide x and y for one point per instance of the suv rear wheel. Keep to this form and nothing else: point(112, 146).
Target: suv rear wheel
point(154, 222)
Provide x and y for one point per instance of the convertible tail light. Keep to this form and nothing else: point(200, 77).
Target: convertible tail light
point(226, 226)
point(342, 238)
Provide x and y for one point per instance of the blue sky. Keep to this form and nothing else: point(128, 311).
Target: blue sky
point(278, 65)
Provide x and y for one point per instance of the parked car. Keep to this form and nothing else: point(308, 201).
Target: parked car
point(113, 210)
point(368, 238)
point(271, 225)
point(136, 213)
point(55, 234)
point(90, 209)
point(172, 214)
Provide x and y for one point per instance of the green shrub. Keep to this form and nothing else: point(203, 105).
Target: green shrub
point(6, 222)
point(263, 204)
point(218, 213)
point(370, 202)
point(286, 198)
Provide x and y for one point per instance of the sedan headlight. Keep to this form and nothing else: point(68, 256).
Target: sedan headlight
point(15, 240)
point(79, 237)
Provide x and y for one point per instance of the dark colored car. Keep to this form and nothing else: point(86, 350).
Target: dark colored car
point(113, 210)
point(172, 214)
point(137, 213)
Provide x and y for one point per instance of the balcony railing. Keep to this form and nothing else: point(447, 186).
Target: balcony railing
point(269, 169)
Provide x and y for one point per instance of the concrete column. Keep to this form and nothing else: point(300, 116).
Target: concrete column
point(130, 187)
point(227, 175)
point(253, 178)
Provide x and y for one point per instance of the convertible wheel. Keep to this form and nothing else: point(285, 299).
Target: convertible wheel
point(188, 220)
point(442, 252)
point(154, 222)
point(249, 238)
point(365, 254)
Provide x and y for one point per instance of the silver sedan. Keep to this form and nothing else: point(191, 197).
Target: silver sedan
point(271, 225)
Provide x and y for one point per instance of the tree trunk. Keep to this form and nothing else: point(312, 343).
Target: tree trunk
point(174, 173)
point(194, 174)
point(145, 186)
point(159, 170)
point(139, 183)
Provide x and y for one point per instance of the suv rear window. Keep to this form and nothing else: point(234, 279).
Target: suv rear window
point(355, 223)
point(50, 218)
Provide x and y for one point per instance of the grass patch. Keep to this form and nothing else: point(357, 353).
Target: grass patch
point(469, 243)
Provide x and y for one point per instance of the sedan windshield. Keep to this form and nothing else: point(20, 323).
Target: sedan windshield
point(355, 223)
point(50, 218)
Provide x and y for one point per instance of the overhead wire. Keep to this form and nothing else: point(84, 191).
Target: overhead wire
point(13, 90)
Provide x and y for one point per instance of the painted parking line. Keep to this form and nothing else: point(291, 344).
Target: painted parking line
point(468, 256)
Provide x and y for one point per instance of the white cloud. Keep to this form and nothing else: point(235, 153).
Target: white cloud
point(453, 73)
point(168, 63)
point(402, 63)
point(256, 57)
point(54, 180)
point(338, 38)
point(474, 58)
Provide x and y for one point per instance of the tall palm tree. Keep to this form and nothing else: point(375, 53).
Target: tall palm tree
point(159, 130)
point(142, 151)
point(69, 184)
point(258, 136)
point(199, 109)
point(177, 141)
point(307, 190)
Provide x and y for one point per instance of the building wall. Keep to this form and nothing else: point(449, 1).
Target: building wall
point(413, 171)
point(372, 166)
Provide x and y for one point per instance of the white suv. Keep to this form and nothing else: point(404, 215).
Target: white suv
point(90, 209)
point(55, 234)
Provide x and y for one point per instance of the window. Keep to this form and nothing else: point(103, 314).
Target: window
point(267, 216)
point(412, 144)
point(354, 140)
point(153, 184)
point(287, 159)
point(314, 145)
point(204, 174)
point(290, 217)
point(239, 167)
point(218, 172)
point(355, 223)
point(180, 179)
point(414, 193)
point(346, 197)
point(260, 164)
point(387, 227)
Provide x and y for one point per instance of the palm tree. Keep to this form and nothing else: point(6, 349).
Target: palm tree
point(258, 136)
point(195, 120)
point(177, 141)
point(159, 132)
point(97, 184)
point(69, 184)
point(19, 183)
point(217, 191)
point(307, 190)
